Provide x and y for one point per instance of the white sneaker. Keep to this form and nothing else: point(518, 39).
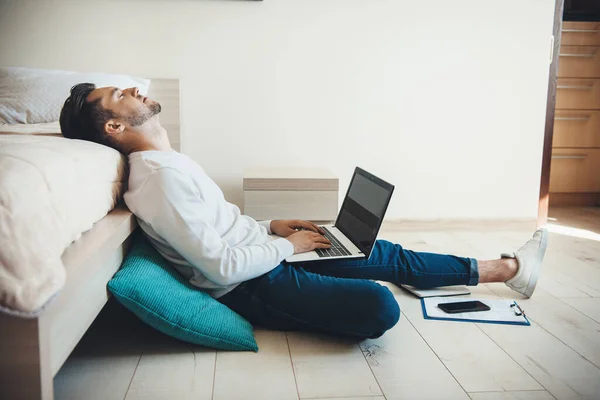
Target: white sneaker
point(529, 258)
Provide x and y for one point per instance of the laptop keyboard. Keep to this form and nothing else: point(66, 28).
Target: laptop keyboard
point(336, 250)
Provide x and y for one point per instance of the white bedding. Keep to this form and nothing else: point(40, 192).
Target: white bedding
point(44, 128)
point(32, 96)
point(52, 190)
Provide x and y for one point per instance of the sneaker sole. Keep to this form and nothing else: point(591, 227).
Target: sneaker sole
point(535, 274)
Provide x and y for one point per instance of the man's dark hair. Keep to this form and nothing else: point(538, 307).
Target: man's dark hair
point(80, 119)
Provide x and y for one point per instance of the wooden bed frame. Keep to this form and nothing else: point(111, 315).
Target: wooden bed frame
point(33, 350)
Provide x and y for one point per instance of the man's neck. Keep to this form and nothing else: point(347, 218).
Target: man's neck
point(150, 146)
point(157, 140)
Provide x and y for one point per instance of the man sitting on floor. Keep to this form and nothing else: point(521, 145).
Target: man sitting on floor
point(233, 258)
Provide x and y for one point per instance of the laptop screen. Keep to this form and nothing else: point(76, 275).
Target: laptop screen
point(363, 209)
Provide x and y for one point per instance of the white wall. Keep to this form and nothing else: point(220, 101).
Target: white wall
point(445, 99)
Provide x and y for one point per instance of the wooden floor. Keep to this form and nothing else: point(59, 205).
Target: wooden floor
point(558, 356)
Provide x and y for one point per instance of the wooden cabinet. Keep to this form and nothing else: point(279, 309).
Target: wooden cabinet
point(578, 94)
point(580, 61)
point(580, 34)
point(576, 128)
point(575, 169)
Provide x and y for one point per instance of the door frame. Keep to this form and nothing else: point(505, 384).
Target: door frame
point(544, 198)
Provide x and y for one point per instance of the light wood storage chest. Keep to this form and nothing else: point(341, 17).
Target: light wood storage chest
point(291, 193)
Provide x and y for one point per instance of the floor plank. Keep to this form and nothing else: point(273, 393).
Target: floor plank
point(566, 272)
point(581, 271)
point(585, 218)
point(583, 249)
point(573, 328)
point(589, 306)
point(525, 395)
point(103, 363)
point(95, 377)
point(447, 243)
point(408, 240)
point(354, 398)
point(264, 375)
point(476, 362)
point(174, 371)
point(560, 285)
point(489, 245)
point(558, 368)
point(406, 367)
point(330, 367)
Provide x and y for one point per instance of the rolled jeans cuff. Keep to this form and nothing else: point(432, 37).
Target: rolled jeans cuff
point(473, 272)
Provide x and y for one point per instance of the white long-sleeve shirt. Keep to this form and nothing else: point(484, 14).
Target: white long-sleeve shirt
point(187, 219)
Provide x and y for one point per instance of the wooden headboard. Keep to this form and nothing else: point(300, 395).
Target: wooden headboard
point(166, 92)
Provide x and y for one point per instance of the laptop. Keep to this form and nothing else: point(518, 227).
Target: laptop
point(355, 230)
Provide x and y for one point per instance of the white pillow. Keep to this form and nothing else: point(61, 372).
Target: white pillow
point(32, 96)
point(45, 129)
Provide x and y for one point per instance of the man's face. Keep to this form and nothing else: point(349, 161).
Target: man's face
point(128, 104)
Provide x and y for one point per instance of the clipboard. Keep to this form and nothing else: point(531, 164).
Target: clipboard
point(502, 311)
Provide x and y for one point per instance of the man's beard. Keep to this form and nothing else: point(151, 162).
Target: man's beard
point(144, 114)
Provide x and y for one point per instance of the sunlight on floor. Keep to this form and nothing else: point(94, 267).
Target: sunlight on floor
point(574, 232)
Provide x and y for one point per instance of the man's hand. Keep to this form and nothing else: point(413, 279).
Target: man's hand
point(287, 227)
point(304, 241)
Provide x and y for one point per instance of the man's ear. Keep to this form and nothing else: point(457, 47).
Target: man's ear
point(114, 127)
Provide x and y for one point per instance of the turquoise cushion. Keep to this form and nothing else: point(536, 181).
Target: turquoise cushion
point(153, 290)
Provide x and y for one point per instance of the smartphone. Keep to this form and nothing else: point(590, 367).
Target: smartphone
point(463, 306)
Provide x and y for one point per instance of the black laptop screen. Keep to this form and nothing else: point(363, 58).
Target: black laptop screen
point(363, 209)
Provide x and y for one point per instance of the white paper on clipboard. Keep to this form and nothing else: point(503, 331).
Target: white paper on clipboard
point(501, 311)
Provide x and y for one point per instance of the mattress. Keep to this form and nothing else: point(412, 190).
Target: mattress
point(46, 128)
point(52, 190)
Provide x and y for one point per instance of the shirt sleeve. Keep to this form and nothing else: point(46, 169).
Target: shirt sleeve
point(177, 212)
point(267, 225)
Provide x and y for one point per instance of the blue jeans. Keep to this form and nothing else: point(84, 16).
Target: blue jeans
point(338, 296)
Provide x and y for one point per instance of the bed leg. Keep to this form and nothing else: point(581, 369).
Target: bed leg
point(25, 370)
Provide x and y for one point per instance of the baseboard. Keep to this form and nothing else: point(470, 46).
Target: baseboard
point(574, 199)
point(460, 224)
